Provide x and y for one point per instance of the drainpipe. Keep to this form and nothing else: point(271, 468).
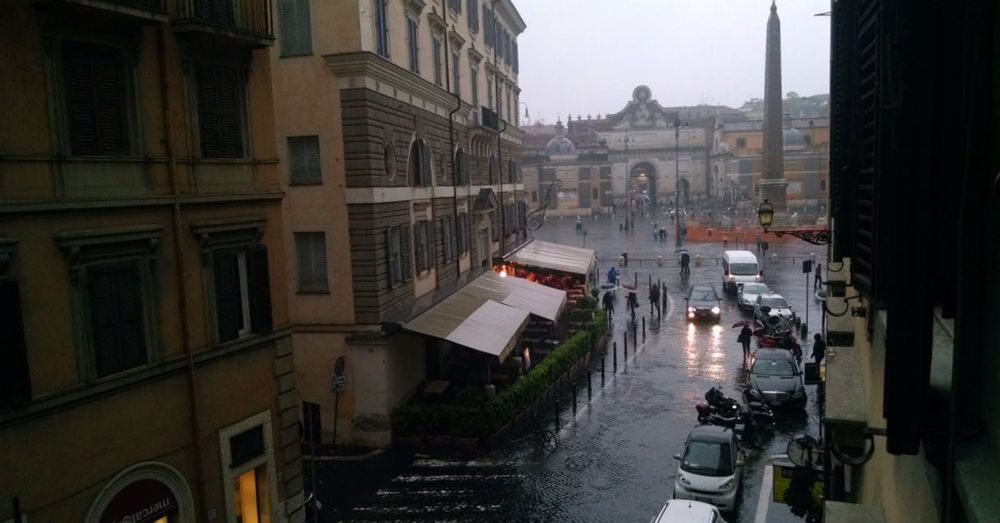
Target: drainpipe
point(496, 88)
point(161, 49)
point(451, 146)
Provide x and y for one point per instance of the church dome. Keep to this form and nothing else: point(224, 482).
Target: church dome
point(560, 145)
point(793, 139)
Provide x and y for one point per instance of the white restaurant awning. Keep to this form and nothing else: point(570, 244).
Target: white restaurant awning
point(555, 256)
point(489, 313)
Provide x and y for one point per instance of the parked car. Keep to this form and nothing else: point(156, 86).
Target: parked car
point(711, 468)
point(703, 303)
point(687, 511)
point(746, 295)
point(776, 305)
point(776, 380)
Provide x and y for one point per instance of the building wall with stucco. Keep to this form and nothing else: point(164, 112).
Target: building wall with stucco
point(146, 223)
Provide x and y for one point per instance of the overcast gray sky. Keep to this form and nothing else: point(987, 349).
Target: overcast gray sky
point(586, 56)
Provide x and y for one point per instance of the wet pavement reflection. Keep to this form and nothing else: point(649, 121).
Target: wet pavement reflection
point(614, 458)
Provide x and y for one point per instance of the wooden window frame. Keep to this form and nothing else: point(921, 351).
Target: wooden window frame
point(321, 285)
point(304, 141)
point(288, 50)
point(87, 249)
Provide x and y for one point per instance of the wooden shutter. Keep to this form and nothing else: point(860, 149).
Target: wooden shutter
point(15, 381)
point(259, 289)
point(94, 80)
point(868, 43)
point(425, 165)
point(418, 240)
point(389, 255)
point(215, 12)
point(310, 250)
point(304, 160)
point(220, 125)
point(431, 250)
point(406, 251)
point(296, 31)
point(116, 318)
point(228, 302)
point(452, 237)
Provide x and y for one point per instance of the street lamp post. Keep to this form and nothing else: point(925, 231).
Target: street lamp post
point(677, 183)
point(628, 195)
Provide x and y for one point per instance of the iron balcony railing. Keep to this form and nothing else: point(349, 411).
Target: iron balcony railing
point(249, 17)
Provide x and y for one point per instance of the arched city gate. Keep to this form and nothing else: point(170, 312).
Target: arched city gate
point(643, 182)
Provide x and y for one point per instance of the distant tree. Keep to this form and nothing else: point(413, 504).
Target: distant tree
point(792, 95)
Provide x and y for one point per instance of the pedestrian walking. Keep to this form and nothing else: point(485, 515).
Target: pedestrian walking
point(663, 296)
point(818, 276)
point(744, 339)
point(609, 303)
point(654, 298)
point(819, 348)
point(633, 303)
point(625, 259)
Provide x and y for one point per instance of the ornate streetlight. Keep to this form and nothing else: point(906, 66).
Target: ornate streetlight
point(815, 236)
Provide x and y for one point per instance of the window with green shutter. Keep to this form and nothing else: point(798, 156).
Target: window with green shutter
point(94, 79)
point(296, 31)
point(219, 93)
point(310, 250)
point(304, 160)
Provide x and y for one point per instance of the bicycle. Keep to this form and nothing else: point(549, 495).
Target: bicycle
point(545, 439)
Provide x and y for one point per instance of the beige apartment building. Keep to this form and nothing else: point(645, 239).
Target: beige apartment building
point(399, 119)
point(146, 366)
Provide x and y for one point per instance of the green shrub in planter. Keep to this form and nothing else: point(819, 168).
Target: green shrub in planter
point(586, 303)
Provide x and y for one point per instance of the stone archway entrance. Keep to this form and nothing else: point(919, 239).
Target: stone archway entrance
point(643, 184)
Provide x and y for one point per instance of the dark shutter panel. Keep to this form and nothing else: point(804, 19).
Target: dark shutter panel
point(215, 12)
point(128, 309)
point(228, 307)
point(95, 99)
point(453, 230)
point(116, 319)
point(425, 165)
point(388, 256)
point(219, 112)
point(259, 288)
point(431, 250)
point(15, 381)
point(406, 251)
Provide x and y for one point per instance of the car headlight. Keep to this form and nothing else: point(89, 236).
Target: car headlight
point(691, 309)
point(727, 485)
point(716, 310)
point(690, 315)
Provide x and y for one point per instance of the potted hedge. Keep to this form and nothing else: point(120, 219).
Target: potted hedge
point(409, 425)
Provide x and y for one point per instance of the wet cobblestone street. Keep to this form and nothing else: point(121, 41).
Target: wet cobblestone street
point(613, 461)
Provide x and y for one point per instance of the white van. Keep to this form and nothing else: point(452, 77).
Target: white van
point(739, 267)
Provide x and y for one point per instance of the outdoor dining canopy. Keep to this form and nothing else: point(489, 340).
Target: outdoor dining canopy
point(489, 313)
point(555, 256)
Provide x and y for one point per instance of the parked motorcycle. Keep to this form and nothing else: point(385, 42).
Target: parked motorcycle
point(750, 422)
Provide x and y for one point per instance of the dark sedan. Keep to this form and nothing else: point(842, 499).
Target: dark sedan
point(703, 303)
point(776, 380)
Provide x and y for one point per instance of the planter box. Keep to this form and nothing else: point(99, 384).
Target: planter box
point(440, 441)
point(466, 443)
point(409, 442)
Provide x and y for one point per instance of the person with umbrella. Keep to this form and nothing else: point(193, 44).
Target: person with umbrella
point(744, 338)
point(685, 261)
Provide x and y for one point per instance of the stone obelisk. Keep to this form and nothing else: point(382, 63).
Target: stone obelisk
point(772, 183)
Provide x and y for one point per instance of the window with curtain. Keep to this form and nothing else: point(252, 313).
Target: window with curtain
point(310, 251)
point(296, 32)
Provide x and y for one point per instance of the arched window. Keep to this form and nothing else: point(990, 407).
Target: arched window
point(389, 160)
point(419, 164)
point(461, 168)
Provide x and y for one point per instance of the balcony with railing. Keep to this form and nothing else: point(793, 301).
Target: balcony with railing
point(140, 10)
point(240, 22)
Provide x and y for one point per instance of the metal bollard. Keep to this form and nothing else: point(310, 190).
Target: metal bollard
point(614, 357)
point(625, 348)
point(602, 371)
point(574, 396)
point(650, 279)
point(644, 329)
point(636, 278)
point(590, 386)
